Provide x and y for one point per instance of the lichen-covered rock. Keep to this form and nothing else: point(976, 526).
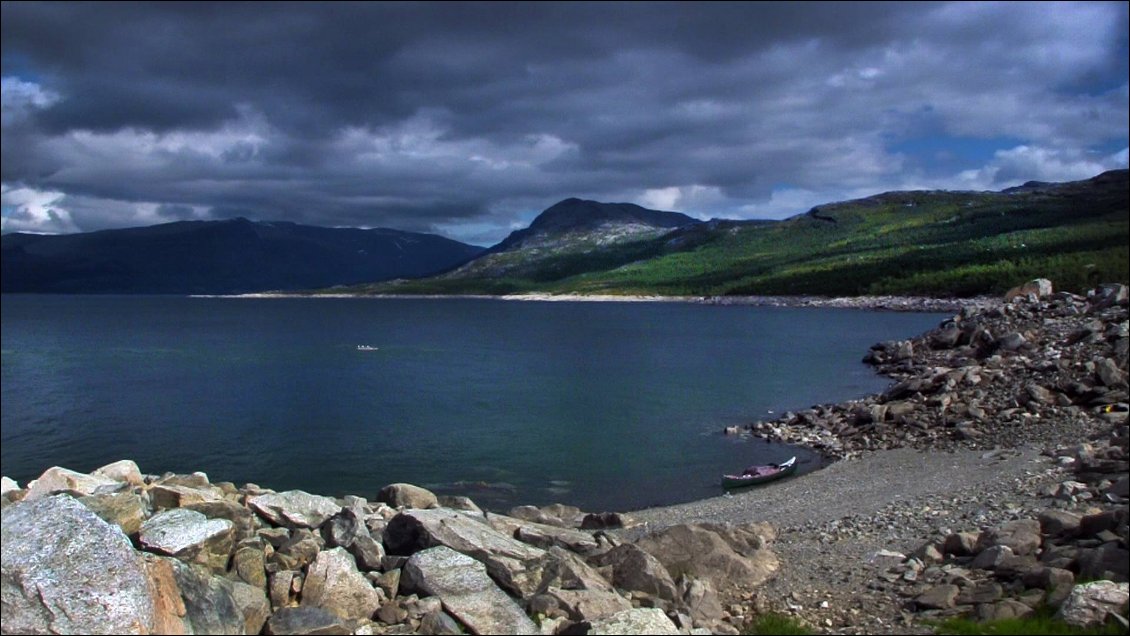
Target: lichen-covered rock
point(641, 620)
point(189, 535)
point(334, 584)
point(126, 510)
point(65, 570)
point(1090, 603)
point(294, 508)
point(467, 592)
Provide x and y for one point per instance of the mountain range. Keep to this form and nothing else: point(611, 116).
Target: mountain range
point(220, 257)
point(942, 243)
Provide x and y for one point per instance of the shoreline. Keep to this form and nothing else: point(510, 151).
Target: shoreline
point(926, 304)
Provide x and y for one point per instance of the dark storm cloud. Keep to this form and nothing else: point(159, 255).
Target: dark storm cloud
point(463, 117)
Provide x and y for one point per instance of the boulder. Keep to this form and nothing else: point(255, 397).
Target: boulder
point(250, 565)
point(209, 601)
point(189, 535)
point(542, 535)
point(253, 604)
point(635, 570)
point(1055, 522)
point(602, 521)
point(179, 496)
point(124, 509)
point(402, 495)
point(7, 485)
point(588, 605)
point(721, 554)
point(649, 620)
point(1039, 287)
point(65, 570)
point(306, 621)
point(569, 571)
point(334, 584)
point(439, 623)
point(466, 591)
point(1090, 603)
point(245, 523)
point(517, 567)
point(938, 597)
point(1021, 536)
point(124, 471)
point(58, 479)
point(294, 508)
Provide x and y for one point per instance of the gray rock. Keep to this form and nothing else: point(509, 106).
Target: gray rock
point(542, 535)
point(1108, 561)
point(124, 509)
point(720, 554)
point(467, 592)
point(1003, 609)
point(58, 479)
point(938, 597)
point(1108, 372)
point(602, 521)
point(125, 470)
point(1021, 536)
point(588, 605)
point(1058, 522)
point(569, 571)
point(65, 570)
point(517, 567)
point(334, 584)
point(960, 544)
point(189, 535)
point(1012, 341)
point(209, 601)
point(648, 620)
point(245, 523)
point(294, 508)
point(253, 604)
point(403, 495)
point(306, 621)
point(635, 570)
point(179, 496)
point(1090, 603)
point(439, 623)
point(983, 592)
point(279, 587)
point(701, 600)
point(368, 552)
point(250, 564)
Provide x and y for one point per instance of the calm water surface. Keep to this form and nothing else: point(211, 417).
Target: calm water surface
point(608, 406)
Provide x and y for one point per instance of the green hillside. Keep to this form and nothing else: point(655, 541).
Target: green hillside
point(935, 243)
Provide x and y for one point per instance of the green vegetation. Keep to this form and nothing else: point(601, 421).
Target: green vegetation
point(777, 624)
point(1039, 625)
point(916, 243)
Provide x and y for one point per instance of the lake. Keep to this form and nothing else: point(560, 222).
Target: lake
point(603, 405)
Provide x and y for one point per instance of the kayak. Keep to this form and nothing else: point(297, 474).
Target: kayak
point(755, 475)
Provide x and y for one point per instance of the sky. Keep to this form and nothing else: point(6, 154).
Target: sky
point(468, 119)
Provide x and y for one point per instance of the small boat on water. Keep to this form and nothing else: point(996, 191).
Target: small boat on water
point(365, 348)
point(755, 475)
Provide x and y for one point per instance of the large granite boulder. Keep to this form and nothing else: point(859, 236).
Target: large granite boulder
point(1021, 536)
point(407, 496)
point(1090, 604)
point(635, 570)
point(294, 508)
point(173, 495)
point(127, 510)
point(588, 605)
point(516, 566)
point(545, 536)
point(333, 583)
point(649, 620)
point(190, 536)
point(466, 591)
point(209, 601)
point(125, 470)
point(724, 555)
point(57, 479)
point(65, 570)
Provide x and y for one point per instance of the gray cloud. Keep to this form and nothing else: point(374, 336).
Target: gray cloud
point(469, 118)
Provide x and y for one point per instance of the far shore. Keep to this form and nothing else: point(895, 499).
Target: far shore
point(879, 303)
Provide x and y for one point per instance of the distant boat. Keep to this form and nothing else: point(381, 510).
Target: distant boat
point(365, 348)
point(759, 474)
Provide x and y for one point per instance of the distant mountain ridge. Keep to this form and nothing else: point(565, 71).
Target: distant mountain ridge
point(932, 242)
point(220, 257)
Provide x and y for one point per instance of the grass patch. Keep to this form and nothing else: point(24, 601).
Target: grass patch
point(1039, 625)
point(777, 624)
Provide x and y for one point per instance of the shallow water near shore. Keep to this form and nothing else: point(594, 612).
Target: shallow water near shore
point(607, 406)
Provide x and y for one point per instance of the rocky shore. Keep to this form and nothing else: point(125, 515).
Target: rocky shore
point(989, 480)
